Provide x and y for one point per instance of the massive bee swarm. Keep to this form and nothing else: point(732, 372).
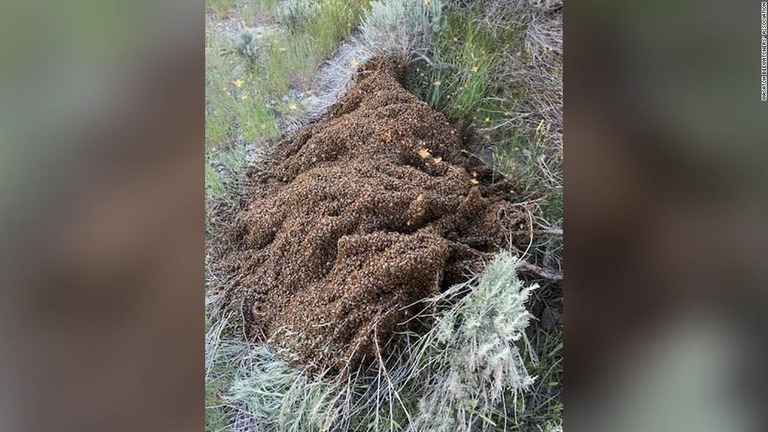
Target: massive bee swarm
point(357, 217)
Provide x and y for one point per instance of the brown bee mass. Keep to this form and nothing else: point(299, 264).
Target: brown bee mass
point(357, 217)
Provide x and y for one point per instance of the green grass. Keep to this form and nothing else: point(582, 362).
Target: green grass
point(465, 76)
point(334, 20)
point(214, 183)
point(246, 81)
point(215, 418)
point(459, 78)
point(543, 405)
point(250, 10)
point(254, 121)
point(293, 54)
point(245, 77)
point(218, 120)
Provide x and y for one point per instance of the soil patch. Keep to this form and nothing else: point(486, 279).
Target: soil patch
point(357, 217)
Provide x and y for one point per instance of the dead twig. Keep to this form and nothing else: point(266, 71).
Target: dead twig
point(545, 273)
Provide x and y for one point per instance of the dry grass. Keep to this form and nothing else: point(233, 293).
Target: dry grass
point(456, 375)
point(499, 60)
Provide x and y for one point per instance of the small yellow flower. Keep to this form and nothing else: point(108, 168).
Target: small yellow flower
point(238, 83)
point(283, 49)
point(474, 69)
point(354, 63)
point(487, 119)
point(293, 107)
point(245, 96)
point(437, 83)
point(426, 2)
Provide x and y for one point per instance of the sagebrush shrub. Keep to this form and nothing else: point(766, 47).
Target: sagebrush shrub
point(403, 27)
point(474, 346)
point(294, 14)
point(454, 377)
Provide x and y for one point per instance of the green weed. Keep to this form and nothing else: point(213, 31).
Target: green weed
point(542, 407)
point(214, 184)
